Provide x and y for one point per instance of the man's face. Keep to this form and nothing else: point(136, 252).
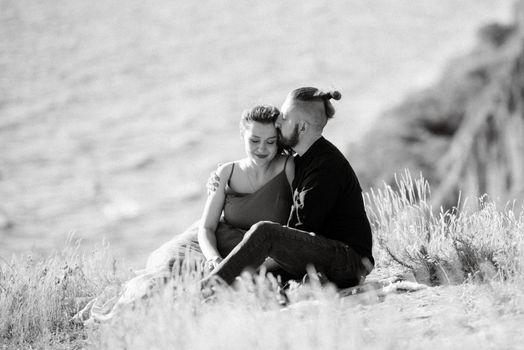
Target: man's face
point(287, 124)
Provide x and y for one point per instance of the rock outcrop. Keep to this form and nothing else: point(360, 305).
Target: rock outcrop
point(466, 133)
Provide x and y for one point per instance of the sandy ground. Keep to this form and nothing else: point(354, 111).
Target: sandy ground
point(452, 316)
point(112, 114)
point(408, 315)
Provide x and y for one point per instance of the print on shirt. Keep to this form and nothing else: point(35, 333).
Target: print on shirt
point(298, 205)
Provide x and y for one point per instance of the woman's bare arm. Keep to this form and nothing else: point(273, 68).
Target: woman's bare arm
point(211, 215)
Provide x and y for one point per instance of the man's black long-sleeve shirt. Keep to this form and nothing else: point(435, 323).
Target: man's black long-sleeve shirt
point(327, 198)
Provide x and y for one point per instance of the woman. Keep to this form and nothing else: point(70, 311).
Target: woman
point(252, 189)
point(248, 190)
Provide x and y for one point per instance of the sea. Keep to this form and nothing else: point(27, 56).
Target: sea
point(114, 113)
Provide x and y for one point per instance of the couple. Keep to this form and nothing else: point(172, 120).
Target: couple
point(298, 211)
point(270, 208)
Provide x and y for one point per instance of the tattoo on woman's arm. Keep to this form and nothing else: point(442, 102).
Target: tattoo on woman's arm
point(212, 183)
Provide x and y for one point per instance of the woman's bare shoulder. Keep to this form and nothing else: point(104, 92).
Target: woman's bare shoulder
point(224, 170)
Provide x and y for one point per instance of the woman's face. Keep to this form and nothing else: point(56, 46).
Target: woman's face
point(260, 141)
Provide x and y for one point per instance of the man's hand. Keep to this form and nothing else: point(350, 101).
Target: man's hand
point(212, 183)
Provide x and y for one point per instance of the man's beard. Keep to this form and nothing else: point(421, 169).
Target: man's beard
point(290, 141)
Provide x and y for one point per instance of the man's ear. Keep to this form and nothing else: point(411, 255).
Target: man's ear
point(303, 126)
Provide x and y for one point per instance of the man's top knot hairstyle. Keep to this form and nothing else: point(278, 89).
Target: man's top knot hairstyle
point(311, 94)
point(265, 114)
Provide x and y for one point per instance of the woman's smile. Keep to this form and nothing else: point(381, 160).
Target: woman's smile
point(260, 142)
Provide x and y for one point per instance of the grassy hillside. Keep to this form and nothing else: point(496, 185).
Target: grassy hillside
point(474, 262)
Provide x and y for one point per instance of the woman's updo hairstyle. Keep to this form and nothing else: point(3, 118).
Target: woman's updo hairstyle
point(265, 114)
point(311, 94)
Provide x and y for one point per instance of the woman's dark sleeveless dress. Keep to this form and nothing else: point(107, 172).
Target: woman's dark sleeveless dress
point(271, 202)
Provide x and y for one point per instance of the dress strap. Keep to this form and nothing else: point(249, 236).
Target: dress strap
point(231, 174)
point(287, 158)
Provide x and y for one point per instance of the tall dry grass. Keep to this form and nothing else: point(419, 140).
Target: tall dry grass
point(469, 241)
point(482, 246)
point(247, 316)
point(38, 297)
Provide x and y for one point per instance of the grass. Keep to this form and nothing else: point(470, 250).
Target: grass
point(465, 242)
point(38, 297)
point(473, 255)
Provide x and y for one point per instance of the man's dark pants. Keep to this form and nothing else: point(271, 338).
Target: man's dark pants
point(293, 250)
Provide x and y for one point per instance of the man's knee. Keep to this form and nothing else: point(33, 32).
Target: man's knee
point(265, 225)
point(262, 229)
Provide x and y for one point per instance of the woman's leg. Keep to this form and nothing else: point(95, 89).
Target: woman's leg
point(174, 250)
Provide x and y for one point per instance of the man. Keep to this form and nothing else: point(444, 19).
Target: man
point(328, 227)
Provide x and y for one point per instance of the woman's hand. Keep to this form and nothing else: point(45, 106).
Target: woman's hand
point(212, 263)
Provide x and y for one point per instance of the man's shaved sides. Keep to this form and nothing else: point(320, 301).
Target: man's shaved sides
point(313, 111)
